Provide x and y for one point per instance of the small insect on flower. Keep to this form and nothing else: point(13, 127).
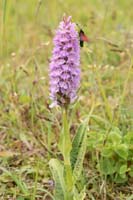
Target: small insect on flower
point(64, 64)
point(83, 38)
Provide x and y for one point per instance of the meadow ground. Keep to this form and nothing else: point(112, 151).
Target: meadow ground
point(29, 129)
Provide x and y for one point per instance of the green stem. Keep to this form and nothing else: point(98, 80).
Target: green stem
point(66, 139)
point(67, 150)
point(65, 146)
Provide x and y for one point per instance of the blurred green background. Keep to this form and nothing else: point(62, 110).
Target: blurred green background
point(24, 25)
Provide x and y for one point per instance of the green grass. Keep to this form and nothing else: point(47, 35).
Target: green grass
point(29, 129)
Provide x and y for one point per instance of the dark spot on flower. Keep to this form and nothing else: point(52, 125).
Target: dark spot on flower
point(63, 43)
point(69, 49)
point(65, 58)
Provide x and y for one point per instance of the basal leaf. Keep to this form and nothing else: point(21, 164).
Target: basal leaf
point(76, 144)
point(78, 151)
point(57, 170)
